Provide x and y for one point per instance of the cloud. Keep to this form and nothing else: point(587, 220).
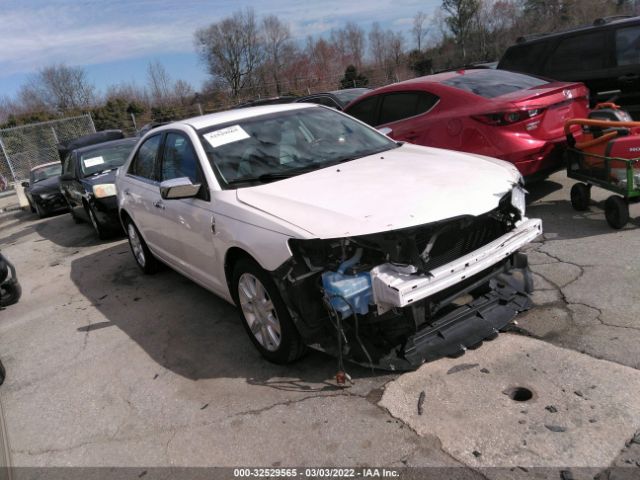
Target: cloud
point(88, 32)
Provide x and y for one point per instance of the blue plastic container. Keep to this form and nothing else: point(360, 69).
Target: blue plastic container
point(355, 289)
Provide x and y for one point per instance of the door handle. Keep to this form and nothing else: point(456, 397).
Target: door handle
point(159, 205)
point(127, 192)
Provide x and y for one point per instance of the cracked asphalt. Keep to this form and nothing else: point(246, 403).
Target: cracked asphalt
point(106, 367)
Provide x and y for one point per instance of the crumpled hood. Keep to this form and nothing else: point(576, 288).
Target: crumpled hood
point(404, 187)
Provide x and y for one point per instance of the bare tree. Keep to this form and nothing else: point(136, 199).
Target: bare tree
point(377, 45)
point(232, 49)
point(460, 18)
point(349, 41)
point(159, 83)
point(182, 91)
point(276, 38)
point(60, 88)
point(419, 29)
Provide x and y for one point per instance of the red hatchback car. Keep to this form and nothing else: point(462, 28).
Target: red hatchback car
point(496, 113)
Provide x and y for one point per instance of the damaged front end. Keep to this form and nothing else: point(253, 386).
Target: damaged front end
point(396, 299)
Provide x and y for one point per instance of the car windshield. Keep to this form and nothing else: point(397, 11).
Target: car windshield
point(106, 157)
point(280, 145)
point(43, 173)
point(350, 94)
point(489, 83)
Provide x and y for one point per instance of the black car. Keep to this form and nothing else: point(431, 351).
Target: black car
point(337, 99)
point(43, 190)
point(604, 56)
point(87, 182)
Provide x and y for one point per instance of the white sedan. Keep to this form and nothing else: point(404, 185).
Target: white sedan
point(326, 233)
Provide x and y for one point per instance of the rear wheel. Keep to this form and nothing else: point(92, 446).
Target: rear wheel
point(141, 253)
point(580, 196)
point(264, 314)
point(616, 211)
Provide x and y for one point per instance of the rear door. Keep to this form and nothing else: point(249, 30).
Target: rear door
point(627, 74)
point(189, 220)
point(402, 111)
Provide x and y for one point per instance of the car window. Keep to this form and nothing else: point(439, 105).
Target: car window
point(144, 163)
point(365, 110)
point(43, 173)
point(179, 159)
point(523, 58)
point(628, 46)
point(69, 164)
point(397, 106)
point(492, 83)
point(578, 54)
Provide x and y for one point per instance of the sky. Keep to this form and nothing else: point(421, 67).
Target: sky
point(114, 40)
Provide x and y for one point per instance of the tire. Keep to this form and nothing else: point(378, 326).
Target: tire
point(41, 212)
point(580, 196)
point(76, 219)
point(616, 211)
point(261, 307)
point(145, 260)
point(101, 232)
point(10, 293)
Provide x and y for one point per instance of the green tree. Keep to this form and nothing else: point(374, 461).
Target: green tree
point(353, 79)
point(460, 17)
point(420, 63)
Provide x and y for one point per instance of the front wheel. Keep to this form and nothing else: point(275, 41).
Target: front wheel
point(264, 315)
point(141, 253)
point(40, 211)
point(616, 211)
point(100, 230)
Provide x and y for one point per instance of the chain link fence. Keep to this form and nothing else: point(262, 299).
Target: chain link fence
point(27, 146)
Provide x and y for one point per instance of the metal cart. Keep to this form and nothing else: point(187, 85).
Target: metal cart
point(608, 156)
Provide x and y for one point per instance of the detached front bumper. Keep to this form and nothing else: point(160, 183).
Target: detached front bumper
point(392, 288)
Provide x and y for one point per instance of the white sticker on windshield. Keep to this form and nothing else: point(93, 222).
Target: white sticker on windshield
point(223, 136)
point(93, 161)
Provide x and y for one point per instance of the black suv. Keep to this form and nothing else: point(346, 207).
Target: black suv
point(605, 56)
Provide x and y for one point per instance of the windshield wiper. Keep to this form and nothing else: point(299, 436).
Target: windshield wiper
point(271, 176)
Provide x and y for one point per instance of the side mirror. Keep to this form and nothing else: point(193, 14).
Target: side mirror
point(179, 188)
point(67, 177)
point(385, 131)
point(25, 184)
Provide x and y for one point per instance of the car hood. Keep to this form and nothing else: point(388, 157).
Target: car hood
point(51, 184)
point(400, 188)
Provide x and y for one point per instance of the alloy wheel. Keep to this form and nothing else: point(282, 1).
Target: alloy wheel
point(259, 312)
point(136, 245)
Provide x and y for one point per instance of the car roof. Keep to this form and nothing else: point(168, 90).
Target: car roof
point(111, 143)
point(236, 115)
point(37, 167)
point(540, 37)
